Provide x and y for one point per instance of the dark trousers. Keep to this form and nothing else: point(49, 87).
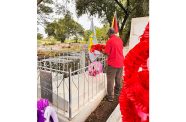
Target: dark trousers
point(114, 74)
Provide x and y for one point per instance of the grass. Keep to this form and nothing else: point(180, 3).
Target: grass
point(52, 41)
point(48, 41)
point(73, 41)
point(51, 53)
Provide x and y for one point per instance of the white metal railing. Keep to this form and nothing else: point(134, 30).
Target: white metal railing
point(67, 84)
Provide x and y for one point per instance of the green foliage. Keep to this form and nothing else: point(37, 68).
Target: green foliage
point(44, 9)
point(86, 35)
point(139, 8)
point(106, 8)
point(101, 33)
point(39, 36)
point(64, 28)
point(48, 41)
point(39, 42)
point(75, 41)
point(49, 8)
point(50, 28)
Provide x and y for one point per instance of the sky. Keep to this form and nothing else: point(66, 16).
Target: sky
point(84, 20)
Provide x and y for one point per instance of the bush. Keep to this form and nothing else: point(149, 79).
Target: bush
point(49, 41)
point(39, 36)
point(39, 41)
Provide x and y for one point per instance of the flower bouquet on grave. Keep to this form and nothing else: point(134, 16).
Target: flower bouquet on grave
point(45, 112)
point(98, 47)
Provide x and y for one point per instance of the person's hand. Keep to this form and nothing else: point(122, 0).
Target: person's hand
point(102, 50)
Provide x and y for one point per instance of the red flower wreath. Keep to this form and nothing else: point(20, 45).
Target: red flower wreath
point(98, 47)
point(134, 96)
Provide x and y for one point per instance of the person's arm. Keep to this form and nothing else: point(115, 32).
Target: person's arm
point(107, 49)
point(103, 51)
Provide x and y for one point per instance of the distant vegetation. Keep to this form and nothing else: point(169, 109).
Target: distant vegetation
point(48, 41)
point(125, 9)
point(64, 28)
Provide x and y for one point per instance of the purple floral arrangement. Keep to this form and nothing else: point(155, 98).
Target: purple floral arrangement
point(41, 105)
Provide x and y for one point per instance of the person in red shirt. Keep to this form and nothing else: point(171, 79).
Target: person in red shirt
point(114, 51)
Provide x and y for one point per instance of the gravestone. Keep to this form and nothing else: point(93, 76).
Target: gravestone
point(46, 85)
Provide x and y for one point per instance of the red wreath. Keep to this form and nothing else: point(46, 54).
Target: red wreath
point(134, 96)
point(98, 47)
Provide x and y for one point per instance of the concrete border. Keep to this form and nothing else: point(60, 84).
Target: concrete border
point(86, 110)
point(115, 116)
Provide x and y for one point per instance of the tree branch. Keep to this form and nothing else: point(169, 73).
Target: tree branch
point(123, 23)
point(122, 7)
point(128, 4)
point(39, 1)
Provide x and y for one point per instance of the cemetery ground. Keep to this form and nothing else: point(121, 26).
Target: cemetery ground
point(103, 111)
point(53, 50)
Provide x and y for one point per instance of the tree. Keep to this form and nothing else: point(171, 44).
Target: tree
point(64, 28)
point(44, 9)
point(126, 9)
point(138, 8)
point(39, 36)
point(104, 8)
point(47, 9)
point(86, 35)
point(101, 33)
point(39, 1)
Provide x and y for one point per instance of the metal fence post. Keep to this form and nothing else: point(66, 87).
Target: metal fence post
point(82, 60)
point(57, 92)
point(70, 96)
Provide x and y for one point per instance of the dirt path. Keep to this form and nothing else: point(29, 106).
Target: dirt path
point(103, 111)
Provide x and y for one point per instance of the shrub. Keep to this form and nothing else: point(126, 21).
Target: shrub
point(50, 41)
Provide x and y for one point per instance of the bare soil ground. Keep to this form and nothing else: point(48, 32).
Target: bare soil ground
point(103, 111)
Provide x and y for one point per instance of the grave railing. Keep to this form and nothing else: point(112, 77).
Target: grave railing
point(65, 82)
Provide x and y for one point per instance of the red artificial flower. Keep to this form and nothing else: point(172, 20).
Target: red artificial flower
point(98, 47)
point(134, 96)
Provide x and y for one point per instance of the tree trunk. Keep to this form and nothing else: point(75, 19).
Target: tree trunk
point(122, 25)
point(39, 1)
point(122, 7)
point(126, 15)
